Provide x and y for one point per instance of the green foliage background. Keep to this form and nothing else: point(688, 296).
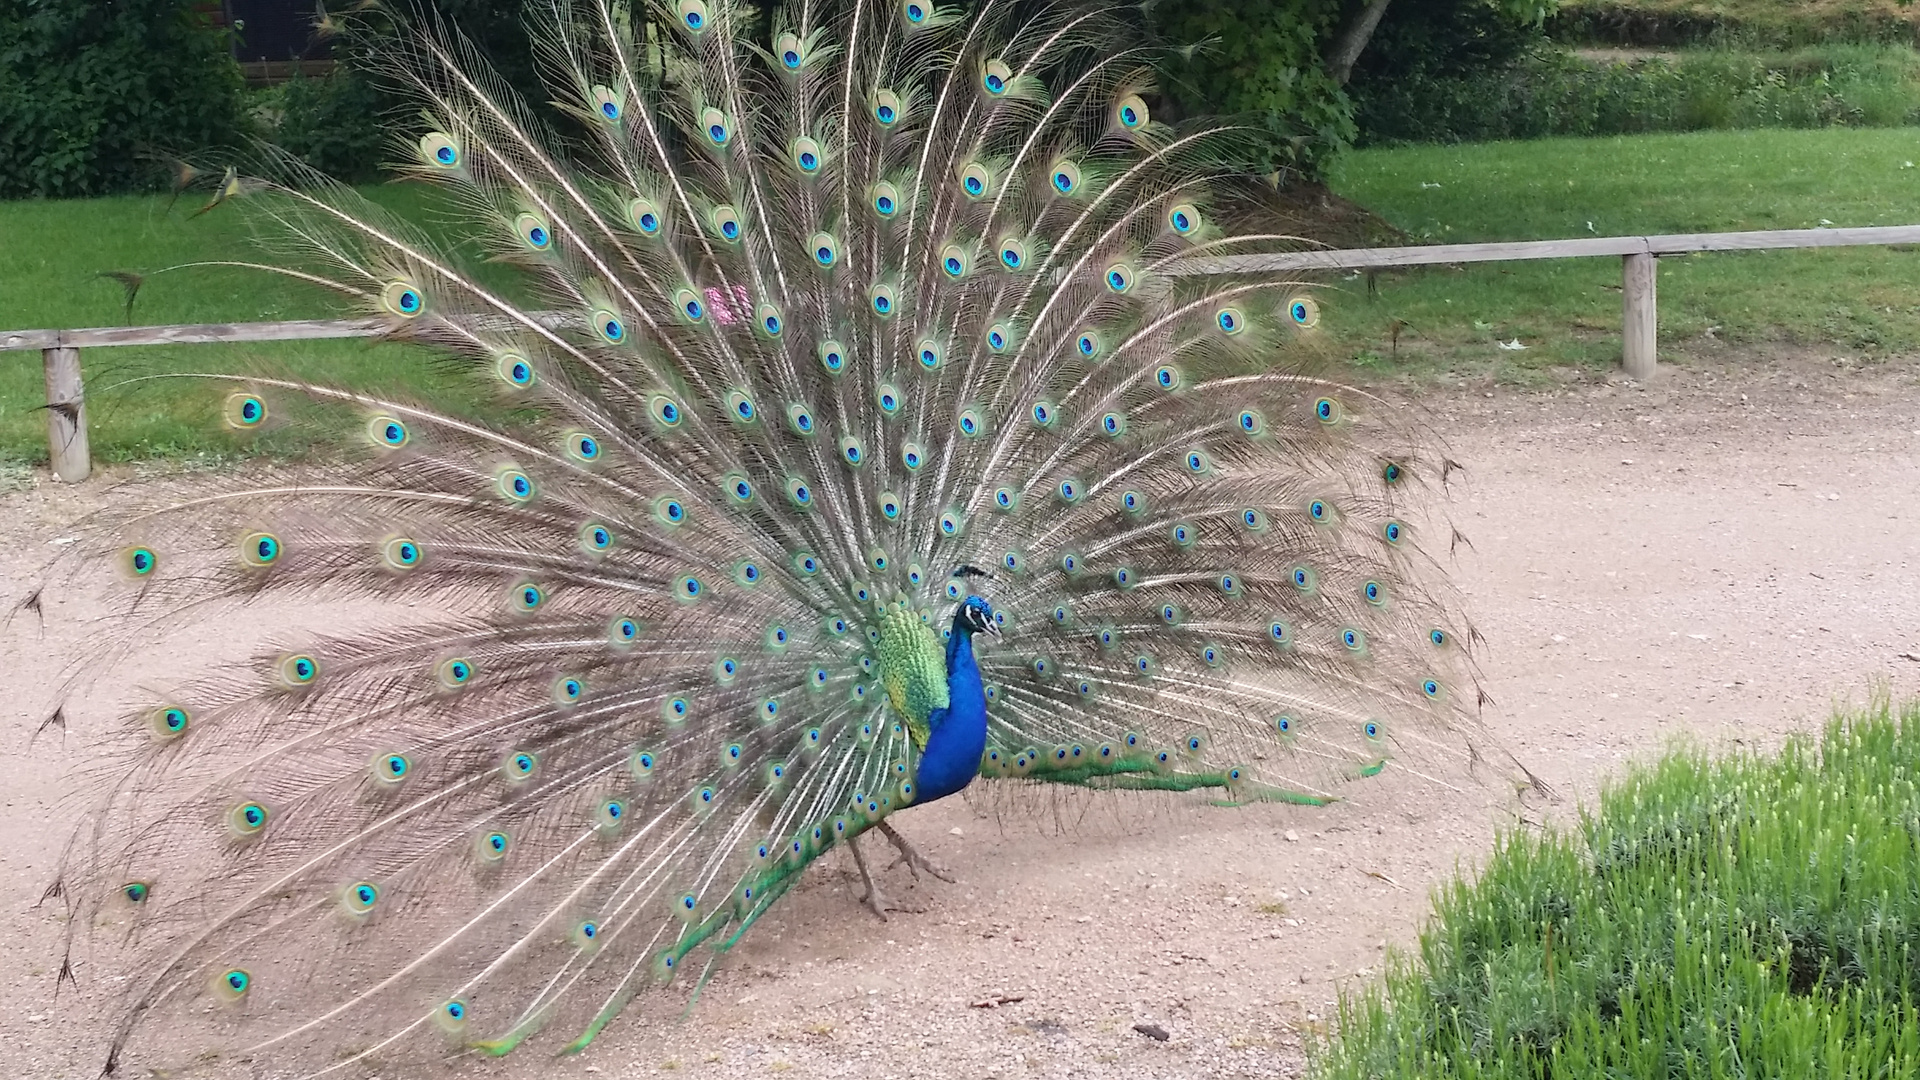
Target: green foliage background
point(1263, 60)
point(91, 91)
point(1259, 59)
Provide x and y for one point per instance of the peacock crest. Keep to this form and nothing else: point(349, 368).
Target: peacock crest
point(886, 439)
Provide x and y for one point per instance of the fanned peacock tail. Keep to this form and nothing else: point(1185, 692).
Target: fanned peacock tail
point(878, 310)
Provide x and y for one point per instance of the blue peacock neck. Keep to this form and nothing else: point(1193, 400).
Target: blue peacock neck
point(959, 732)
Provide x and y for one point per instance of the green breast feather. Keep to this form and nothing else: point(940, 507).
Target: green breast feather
point(913, 667)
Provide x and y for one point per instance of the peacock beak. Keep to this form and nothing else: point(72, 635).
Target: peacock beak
point(992, 627)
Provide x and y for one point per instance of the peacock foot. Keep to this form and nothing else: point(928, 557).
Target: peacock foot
point(875, 900)
point(915, 861)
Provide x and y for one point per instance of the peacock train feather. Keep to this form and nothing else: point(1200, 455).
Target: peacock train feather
point(879, 443)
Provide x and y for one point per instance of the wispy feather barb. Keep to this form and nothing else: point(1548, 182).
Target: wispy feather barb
point(880, 294)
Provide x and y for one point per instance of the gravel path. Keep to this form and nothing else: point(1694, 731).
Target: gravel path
point(1722, 557)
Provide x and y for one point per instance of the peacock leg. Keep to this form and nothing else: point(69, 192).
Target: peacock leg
point(915, 861)
point(874, 900)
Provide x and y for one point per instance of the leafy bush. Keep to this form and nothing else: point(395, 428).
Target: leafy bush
point(1552, 92)
point(1263, 61)
point(1457, 38)
point(343, 124)
point(337, 124)
point(91, 91)
point(1739, 917)
point(1740, 23)
point(1260, 60)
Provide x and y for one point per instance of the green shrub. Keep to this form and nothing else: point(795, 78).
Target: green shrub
point(1553, 92)
point(1262, 61)
point(93, 92)
point(337, 124)
point(1734, 917)
point(1780, 24)
point(344, 124)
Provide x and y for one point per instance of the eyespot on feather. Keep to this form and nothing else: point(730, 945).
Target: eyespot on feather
point(717, 128)
point(298, 670)
point(439, 150)
point(260, 549)
point(526, 597)
point(514, 370)
point(645, 216)
point(1303, 312)
point(833, 356)
point(387, 433)
point(976, 180)
point(244, 412)
point(138, 562)
point(513, 485)
point(169, 722)
point(608, 103)
point(400, 553)
point(790, 51)
point(232, 985)
point(247, 819)
point(826, 250)
point(996, 77)
point(608, 324)
point(533, 232)
point(807, 155)
point(955, 261)
point(1064, 177)
point(454, 673)
point(402, 298)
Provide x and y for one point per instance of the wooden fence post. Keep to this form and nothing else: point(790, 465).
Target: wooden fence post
point(1639, 316)
point(66, 415)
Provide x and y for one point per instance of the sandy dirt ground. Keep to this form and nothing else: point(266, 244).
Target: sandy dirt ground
point(1722, 555)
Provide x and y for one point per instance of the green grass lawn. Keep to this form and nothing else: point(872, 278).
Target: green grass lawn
point(1859, 302)
point(50, 267)
point(1743, 917)
point(1862, 303)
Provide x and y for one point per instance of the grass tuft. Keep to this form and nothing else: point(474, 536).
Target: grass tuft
point(53, 279)
point(1739, 916)
point(1857, 302)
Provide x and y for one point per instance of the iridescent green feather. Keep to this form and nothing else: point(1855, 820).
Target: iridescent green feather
point(913, 667)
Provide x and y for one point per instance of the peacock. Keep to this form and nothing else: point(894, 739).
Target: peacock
point(877, 419)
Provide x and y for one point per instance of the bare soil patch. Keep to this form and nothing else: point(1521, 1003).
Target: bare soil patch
point(1721, 556)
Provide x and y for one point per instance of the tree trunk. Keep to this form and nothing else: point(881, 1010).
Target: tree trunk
point(1352, 39)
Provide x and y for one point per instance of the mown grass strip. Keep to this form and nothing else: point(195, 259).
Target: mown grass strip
point(1731, 916)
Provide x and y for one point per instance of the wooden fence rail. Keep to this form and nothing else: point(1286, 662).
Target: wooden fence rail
point(66, 406)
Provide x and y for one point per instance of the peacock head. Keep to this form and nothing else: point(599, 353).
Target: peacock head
point(974, 616)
